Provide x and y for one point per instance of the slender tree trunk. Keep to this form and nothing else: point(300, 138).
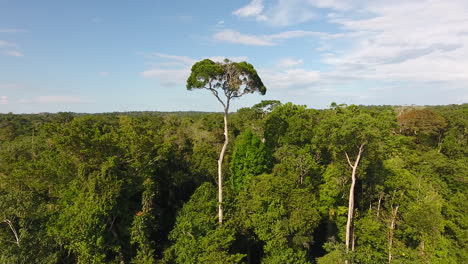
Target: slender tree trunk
point(378, 206)
point(17, 239)
point(220, 166)
point(439, 142)
point(390, 233)
point(349, 222)
point(350, 211)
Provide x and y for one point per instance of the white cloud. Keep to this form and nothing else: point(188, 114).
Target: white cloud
point(168, 77)
point(3, 100)
point(289, 62)
point(254, 8)
point(9, 49)
point(55, 99)
point(11, 86)
point(172, 58)
point(13, 53)
point(289, 79)
point(232, 36)
point(104, 74)
point(236, 37)
point(417, 41)
point(334, 4)
point(4, 43)
point(289, 12)
point(174, 70)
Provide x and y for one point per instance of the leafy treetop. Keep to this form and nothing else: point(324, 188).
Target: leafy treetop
point(234, 78)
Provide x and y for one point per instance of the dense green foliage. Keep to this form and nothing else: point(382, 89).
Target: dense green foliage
point(234, 78)
point(140, 187)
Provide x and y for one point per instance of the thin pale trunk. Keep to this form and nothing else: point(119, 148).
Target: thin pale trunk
point(390, 234)
point(220, 167)
point(423, 247)
point(349, 222)
point(378, 205)
point(17, 239)
point(439, 142)
point(350, 209)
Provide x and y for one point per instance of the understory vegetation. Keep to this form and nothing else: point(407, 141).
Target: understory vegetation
point(141, 187)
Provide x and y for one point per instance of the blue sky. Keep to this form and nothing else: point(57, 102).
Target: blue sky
point(104, 56)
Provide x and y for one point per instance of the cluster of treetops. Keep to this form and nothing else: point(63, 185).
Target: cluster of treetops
point(142, 187)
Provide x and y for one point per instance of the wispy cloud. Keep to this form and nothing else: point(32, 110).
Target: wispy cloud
point(253, 9)
point(13, 53)
point(285, 13)
point(56, 99)
point(290, 78)
point(280, 13)
point(3, 100)
point(289, 62)
point(4, 43)
point(232, 36)
point(9, 49)
point(172, 58)
point(11, 86)
point(172, 70)
point(289, 12)
point(417, 41)
point(168, 77)
point(239, 38)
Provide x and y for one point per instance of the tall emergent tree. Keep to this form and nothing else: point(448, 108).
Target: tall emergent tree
point(233, 79)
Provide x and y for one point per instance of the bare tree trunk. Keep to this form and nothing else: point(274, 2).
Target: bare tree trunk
point(17, 239)
point(349, 222)
point(439, 142)
point(350, 211)
point(390, 233)
point(220, 166)
point(378, 206)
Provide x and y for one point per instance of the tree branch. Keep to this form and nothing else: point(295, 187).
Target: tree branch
point(361, 148)
point(239, 95)
point(349, 161)
point(215, 93)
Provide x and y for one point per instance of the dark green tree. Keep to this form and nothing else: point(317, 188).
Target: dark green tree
point(250, 158)
point(197, 237)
